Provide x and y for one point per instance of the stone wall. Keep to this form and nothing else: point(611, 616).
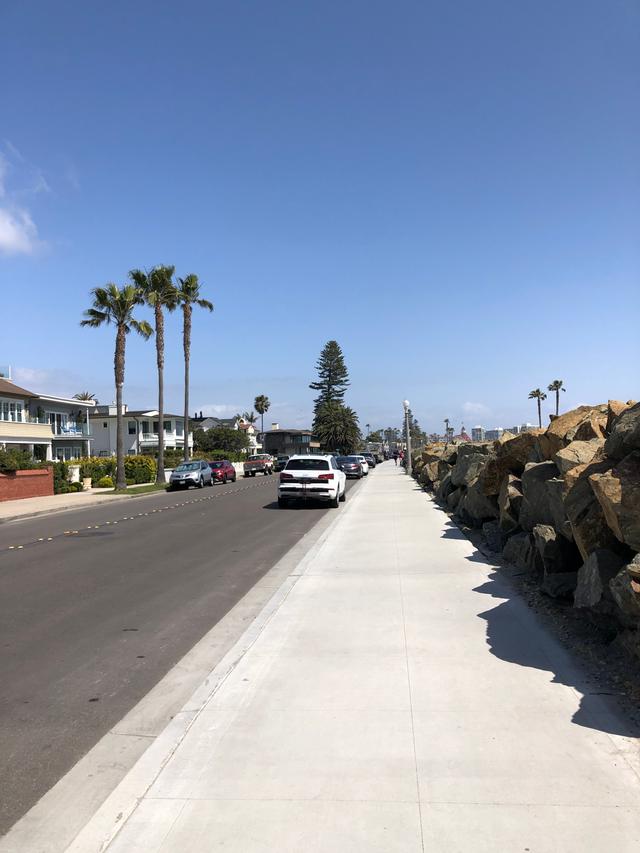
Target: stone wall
point(561, 502)
point(26, 484)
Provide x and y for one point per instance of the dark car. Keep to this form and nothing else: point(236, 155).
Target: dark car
point(222, 470)
point(371, 459)
point(350, 465)
point(281, 461)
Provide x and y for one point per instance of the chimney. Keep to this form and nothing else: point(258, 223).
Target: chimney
point(201, 414)
point(275, 426)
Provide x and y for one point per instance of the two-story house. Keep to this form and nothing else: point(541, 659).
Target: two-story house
point(289, 442)
point(47, 427)
point(141, 430)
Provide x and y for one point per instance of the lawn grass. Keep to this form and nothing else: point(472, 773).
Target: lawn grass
point(133, 491)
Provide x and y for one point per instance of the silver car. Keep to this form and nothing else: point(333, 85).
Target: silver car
point(195, 473)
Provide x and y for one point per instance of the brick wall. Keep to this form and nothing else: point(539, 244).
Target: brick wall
point(26, 484)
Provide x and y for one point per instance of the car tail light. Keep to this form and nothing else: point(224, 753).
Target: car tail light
point(325, 477)
point(286, 477)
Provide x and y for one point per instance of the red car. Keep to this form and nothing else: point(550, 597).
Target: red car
point(222, 470)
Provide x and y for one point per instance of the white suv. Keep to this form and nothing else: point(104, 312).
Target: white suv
point(312, 478)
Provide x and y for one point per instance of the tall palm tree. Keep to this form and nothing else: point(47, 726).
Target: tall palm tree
point(538, 395)
point(188, 295)
point(446, 429)
point(261, 404)
point(557, 386)
point(249, 417)
point(159, 293)
point(87, 396)
point(113, 304)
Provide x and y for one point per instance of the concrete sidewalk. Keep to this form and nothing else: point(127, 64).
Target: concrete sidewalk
point(33, 507)
point(395, 695)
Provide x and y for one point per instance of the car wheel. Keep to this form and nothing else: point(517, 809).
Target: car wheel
point(201, 483)
point(253, 473)
point(335, 502)
point(234, 478)
point(282, 503)
point(224, 480)
point(343, 496)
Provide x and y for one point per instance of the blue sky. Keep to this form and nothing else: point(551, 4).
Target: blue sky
point(450, 190)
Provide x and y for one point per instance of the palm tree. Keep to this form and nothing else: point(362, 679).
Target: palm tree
point(538, 395)
point(86, 396)
point(159, 293)
point(261, 405)
point(188, 293)
point(557, 386)
point(113, 304)
point(446, 429)
point(249, 417)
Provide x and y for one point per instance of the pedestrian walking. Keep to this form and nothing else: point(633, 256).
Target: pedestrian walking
point(395, 457)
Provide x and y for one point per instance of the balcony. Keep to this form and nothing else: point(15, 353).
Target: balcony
point(71, 431)
point(29, 431)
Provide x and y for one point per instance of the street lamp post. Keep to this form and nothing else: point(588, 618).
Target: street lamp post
point(405, 403)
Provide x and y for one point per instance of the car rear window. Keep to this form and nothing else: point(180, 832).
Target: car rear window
point(307, 465)
point(348, 459)
point(216, 464)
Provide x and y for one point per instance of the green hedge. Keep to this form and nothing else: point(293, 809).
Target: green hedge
point(138, 469)
point(19, 460)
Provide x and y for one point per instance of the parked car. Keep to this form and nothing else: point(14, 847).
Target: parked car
point(194, 473)
point(365, 465)
point(281, 461)
point(261, 463)
point(312, 477)
point(351, 466)
point(222, 471)
point(371, 459)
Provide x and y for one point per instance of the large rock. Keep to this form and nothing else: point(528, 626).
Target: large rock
point(618, 493)
point(476, 507)
point(470, 462)
point(625, 434)
point(521, 552)
point(510, 503)
point(592, 428)
point(453, 499)
point(626, 594)
point(557, 553)
point(444, 489)
point(493, 536)
point(563, 429)
point(559, 584)
point(577, 453)
point(491, 477)
point(535, 505)
point(593, 591)
point(514, 453)
point(614, 409)
point(588, 523)
point(555, 494)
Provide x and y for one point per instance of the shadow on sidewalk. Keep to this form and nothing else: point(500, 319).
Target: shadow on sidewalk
point(513, 636)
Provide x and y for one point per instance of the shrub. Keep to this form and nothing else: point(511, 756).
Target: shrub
point(60, 478)
point(97, 467)
point(105, 483)
point(140, 469)
point(130, 481)
point(18, 460)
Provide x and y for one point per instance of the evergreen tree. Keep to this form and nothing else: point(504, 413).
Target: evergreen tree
point(337, 429)
point(333, 377)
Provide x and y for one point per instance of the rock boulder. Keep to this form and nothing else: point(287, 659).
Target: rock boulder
point(469, 463)
point(535, 504)
point(510, 503)
point(588, 523)
point(618, 493)
point(593, 591)
point(577, 453)
point(562, 430)
point(521, 552)
point(625, 434)
point(626, 594)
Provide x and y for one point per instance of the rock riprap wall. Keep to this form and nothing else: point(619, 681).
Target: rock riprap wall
point(561, 502)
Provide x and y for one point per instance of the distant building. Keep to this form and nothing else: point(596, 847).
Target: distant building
point(494, 434)
point(141, 429)
point(477, 433)
point(205, 423)
point(289, 442)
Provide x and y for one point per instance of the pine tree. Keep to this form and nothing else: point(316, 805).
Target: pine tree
point(333, 377)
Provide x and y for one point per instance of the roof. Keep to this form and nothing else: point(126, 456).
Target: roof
point(289, 431)
point(8, 387)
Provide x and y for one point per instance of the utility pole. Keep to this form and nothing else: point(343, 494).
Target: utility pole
point(405, 403)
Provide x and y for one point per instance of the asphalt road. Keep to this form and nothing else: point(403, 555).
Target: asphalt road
point(97, 605)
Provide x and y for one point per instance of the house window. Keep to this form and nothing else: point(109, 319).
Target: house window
point(105, 425)
point(145, 426)
point(166, 425)
point(155, 427)
point(131, 425)
point(179, 429)
point(10, 410)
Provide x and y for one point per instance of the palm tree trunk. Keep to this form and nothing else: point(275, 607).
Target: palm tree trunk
point(539, 413)
point(186, 343)
point(160, 361)
point(557, 401)
point(121, 482)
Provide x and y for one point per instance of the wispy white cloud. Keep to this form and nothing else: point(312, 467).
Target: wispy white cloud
point(221, 410)
point(470, 408)
point(56, 381)
point(18, 231)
